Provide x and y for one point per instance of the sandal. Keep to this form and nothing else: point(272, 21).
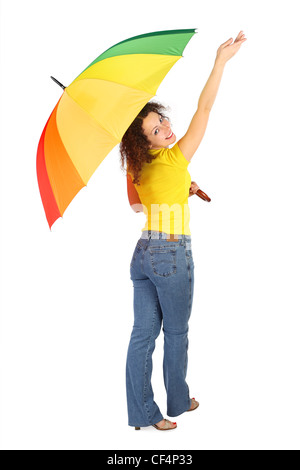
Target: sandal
point(194, 402)
point(166, 427)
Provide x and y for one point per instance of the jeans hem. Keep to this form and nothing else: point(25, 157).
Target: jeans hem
point(144, 425)
point(173, 415)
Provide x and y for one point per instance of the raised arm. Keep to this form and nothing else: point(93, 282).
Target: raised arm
point(189, 143)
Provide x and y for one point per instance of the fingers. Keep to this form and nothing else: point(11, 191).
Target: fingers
point(227, 43)
point(240, 38)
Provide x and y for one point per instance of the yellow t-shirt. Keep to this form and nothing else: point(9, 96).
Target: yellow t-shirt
point(164, 191)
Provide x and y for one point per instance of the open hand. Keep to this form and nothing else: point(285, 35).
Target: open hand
point(229, 49)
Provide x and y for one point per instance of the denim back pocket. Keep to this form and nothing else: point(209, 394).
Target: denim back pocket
point(163, 259)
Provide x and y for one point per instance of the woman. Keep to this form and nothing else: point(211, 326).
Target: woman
point(162, 267)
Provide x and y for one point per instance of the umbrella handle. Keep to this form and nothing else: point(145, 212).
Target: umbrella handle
point(203, 195)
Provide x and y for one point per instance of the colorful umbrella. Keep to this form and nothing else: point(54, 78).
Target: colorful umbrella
point(96, 109)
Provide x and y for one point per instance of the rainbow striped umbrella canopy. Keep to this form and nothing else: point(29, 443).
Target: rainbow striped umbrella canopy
point(95, 111)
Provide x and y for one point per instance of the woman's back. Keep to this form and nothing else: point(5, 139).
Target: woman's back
point(164, 190)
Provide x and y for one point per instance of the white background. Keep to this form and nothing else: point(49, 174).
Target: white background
point(67, 297)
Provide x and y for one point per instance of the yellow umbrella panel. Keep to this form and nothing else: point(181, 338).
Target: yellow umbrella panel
point(95, 111)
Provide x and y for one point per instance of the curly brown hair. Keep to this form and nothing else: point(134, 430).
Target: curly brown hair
point(134, 145)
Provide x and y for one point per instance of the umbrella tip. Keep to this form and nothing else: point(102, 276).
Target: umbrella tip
point(58, 83)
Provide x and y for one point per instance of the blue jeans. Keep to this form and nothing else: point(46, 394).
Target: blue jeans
point(162, 272)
